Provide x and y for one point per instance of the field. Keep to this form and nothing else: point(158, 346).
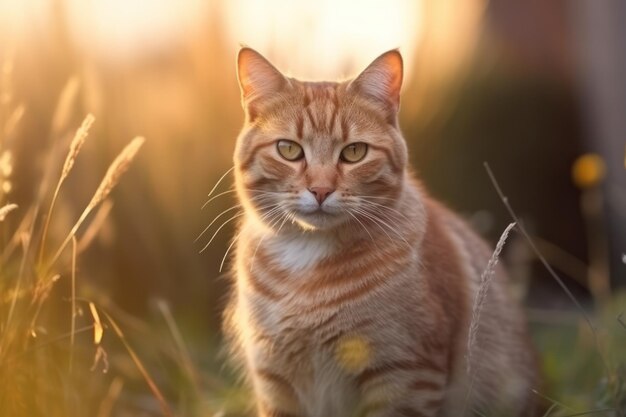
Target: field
point(109, 303)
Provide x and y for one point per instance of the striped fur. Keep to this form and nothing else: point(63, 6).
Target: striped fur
point(359, 306)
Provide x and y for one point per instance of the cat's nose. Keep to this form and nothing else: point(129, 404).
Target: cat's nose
point(321, 193)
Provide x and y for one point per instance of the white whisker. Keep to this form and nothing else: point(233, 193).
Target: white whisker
point(228, 250)
point(220, 180)
point(220, 228)
point(374, 216)
point(215, 219)
point(382, 206)
point(216, 196)
point(361, 223)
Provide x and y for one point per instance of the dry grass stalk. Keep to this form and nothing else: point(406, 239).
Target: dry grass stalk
point(25, 239)
point(549, 268)
point(5, 210)
point(21, 229)
point(98, 329)
point(116, 170)
point(95, 226)
point(165, 408)
point(41, 292)
point(73, 299)
point(481, 296)
point(115, 389)
point(187, 363)
point(110, 180)
point(77, 143)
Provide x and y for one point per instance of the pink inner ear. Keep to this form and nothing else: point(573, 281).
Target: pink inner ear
point(382, 79)
point(257, 76)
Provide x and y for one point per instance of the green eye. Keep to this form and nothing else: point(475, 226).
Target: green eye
point(354, 152)
point(289, 150)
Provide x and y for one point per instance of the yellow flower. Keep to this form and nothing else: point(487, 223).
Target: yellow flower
point(353, 353)
point(588, 170)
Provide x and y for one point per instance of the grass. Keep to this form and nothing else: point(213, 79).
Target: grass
point(64, 349)
point(32, 356)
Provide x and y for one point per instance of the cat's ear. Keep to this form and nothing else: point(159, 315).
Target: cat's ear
point(382, 80)
point(257, 76)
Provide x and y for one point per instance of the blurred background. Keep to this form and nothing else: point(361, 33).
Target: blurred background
point(534, 88)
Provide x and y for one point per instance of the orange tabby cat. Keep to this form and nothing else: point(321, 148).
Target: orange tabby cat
point(354, 289)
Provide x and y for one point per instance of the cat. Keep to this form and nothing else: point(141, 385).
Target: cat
point(353, 288)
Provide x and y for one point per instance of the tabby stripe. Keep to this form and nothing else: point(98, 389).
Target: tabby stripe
point(272, 272)
point(396, 366)
point(424, 385)
point(275, 168)
point(257, 183)
point(294, 353)
point(387, 152)
point(426, 363)
point(352, 295)
point(299, 125)
point(345, 129)
point(247, 163)
point(276, 380)
point(325, 321)
point(333, 116)
point(311, 118)
point(306, 100)
point(335, 276)
point(347, 256)
point(433, 403)
point(261, 289)
point(433, 344)
point(329, 341)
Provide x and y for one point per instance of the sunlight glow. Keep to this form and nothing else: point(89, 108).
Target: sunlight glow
point(17, 17)
point(122, 28)
point(325, 39)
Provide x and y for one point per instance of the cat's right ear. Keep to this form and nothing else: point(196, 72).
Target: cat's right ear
point(258, 78)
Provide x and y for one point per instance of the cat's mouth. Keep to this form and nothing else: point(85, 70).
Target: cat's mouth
point(316, 212)
point(318, 218)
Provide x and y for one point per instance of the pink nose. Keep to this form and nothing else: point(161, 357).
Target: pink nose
point(321, 193)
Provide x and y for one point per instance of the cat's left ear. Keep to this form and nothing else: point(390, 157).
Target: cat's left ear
point(258, 78)
point(382, 80)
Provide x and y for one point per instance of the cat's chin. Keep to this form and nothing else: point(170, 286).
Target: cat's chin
point(318, 220)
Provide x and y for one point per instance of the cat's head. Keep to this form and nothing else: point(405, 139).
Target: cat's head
point(319, 154)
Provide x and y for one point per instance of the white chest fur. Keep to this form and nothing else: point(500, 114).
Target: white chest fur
point(299, 251)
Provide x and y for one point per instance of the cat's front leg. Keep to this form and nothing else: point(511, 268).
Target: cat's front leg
point(275, 395)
